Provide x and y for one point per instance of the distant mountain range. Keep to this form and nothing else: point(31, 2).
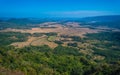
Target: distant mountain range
point(95, 18)
point(102, 18)
point(112, 21)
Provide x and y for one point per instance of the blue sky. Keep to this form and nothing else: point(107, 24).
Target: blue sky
point(58, 8)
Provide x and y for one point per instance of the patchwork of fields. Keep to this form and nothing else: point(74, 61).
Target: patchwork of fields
point(71, 29)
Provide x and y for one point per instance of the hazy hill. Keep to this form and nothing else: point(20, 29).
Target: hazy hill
point(107, 18)
point(112, 21)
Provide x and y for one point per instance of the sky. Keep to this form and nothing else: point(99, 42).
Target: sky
point(58, 8)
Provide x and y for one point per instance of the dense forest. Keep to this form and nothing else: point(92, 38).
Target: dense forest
point(62, 60)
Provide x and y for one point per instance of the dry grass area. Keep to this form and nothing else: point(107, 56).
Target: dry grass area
point(98, 57)
point(4, 71)
point(23, 44)
point(35, 41)
point(71, 29)
point(60, 29)
point(43, 41)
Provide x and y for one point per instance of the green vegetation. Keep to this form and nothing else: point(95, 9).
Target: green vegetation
point(7, 38)
point(76, 38)
point(37, 34)
point(51, 38)
point(58, 42)
point(51, 34)
point(107, 44)
point(72, 44)
point(43, 60)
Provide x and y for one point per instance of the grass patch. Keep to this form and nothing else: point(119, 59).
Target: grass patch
point(51, 38)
